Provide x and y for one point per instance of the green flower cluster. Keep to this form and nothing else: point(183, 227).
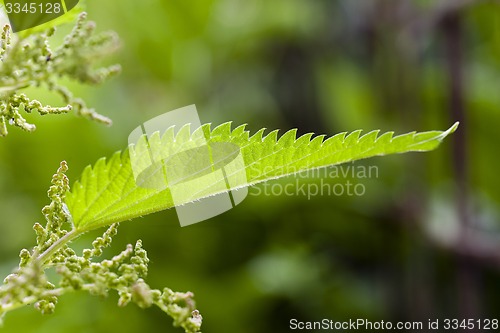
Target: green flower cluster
point(30, 62)
point(56, 215)
point(123, 273)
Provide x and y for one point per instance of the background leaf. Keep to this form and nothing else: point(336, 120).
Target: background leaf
point(69, 17)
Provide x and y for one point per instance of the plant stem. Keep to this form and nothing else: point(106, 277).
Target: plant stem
point(4, 308)
point(57, 246)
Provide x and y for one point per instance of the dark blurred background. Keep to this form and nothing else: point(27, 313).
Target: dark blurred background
point(421, 243)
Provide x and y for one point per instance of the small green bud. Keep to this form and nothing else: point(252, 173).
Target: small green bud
point(45, 307)
point(125, 298)
point(87, 253)
point(25, 257)
point(156, 295)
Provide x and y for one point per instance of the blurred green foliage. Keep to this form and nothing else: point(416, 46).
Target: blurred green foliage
point(324, 66)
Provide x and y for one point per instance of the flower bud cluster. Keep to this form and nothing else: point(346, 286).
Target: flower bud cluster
point(29, 284)
point(56, 213)
point(30, 62)
point(123, 273)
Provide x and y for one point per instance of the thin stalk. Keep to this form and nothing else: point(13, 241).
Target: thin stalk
point(57, 246)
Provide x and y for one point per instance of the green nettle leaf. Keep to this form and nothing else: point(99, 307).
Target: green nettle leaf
point(109, 192)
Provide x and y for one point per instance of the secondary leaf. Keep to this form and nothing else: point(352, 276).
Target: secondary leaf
point(73, 10)
point(109, 192)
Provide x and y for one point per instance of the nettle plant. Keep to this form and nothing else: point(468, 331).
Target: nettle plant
point(108, 194)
